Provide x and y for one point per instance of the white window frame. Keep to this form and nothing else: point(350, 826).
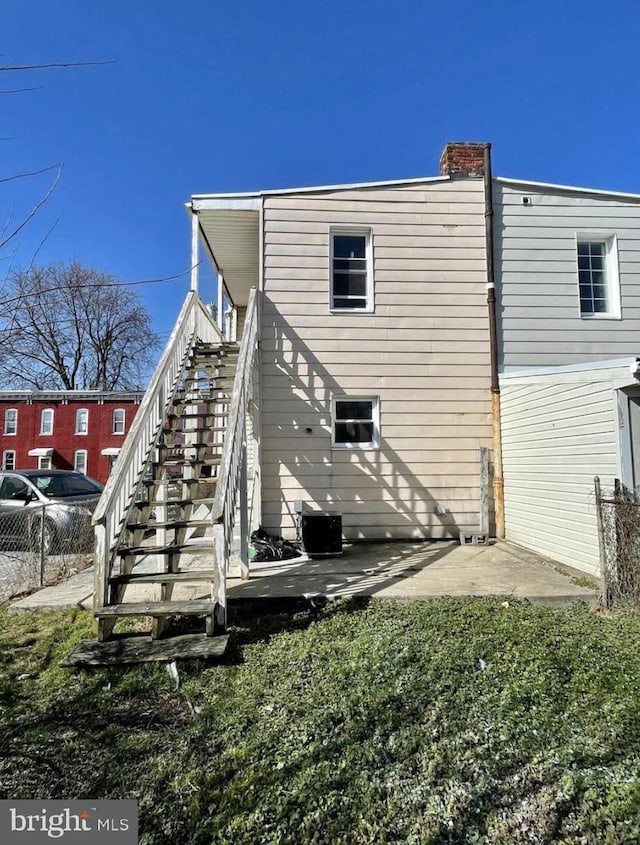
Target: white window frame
point(356, 231)
point(375, 418)
point(48, 412)
point(7, 426)
point(9, 460)
point(44, 462)
point(611, 274)
point(77, 454)
point(84, 411)
point(114, 427)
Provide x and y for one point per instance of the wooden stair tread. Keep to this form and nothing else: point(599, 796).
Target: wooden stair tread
point(142, 649)
point(172, 523)
point(176, 548)
point(164, 577)
point(193, 607)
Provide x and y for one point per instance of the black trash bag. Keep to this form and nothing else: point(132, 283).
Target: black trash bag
point(264, 546)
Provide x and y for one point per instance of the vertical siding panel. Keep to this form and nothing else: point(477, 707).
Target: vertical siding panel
point(558, 432)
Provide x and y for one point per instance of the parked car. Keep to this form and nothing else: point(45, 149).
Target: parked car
point(65, 501)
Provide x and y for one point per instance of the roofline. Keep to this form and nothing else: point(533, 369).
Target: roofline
point(573, 189)
point(244, 195)
point(42, 395)
point(583, 366)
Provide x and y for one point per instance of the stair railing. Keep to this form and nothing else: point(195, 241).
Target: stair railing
point(231, 488)
point(118, 496)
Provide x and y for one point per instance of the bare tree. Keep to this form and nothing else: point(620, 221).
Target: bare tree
point(72, 327)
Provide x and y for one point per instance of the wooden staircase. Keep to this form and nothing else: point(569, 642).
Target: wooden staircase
point(166, 567)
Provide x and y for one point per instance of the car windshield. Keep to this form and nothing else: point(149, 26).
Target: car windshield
point(66, 485)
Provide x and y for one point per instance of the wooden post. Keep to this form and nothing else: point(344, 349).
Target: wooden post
point(604, 580)
point(194, 251)
point(220, 305)
point(244, 515)
point(483, 527)
point(219, 587)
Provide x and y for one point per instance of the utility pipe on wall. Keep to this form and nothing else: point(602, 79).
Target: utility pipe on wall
point(498, 481)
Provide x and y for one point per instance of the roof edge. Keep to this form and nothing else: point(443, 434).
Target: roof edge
point(318, 188)
point(569, 188)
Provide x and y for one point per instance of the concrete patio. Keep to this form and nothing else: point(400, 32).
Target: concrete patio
point(393, 570)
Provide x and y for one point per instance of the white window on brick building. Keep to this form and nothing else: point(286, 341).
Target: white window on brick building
point(80, 461)
point(8, 459)
point(11, 421)
point(118, 421)
point(46, 421)
point(82, 421)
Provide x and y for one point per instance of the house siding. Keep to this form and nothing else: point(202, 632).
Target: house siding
point(559, 430)
point(539, 315)
point(424, 352)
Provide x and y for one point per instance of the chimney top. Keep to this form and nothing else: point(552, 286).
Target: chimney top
point(464, 158)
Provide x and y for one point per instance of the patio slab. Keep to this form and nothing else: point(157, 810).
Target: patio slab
point(393, 570)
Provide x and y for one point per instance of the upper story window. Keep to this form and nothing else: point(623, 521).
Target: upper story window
point(598, 281)
point(118, 421)
point(351, 282)
point(82, 421)
point(11, 421)
point(46, 421)
point(8, 459)
point(355, 422)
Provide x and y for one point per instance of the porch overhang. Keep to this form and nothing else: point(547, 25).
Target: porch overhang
point(229, 230)
point(40, 452)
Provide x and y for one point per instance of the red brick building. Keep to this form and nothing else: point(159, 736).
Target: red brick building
point(82, 429)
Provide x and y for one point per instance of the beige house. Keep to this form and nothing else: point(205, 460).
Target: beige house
point(374, 346)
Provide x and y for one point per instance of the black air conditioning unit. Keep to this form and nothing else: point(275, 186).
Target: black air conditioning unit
point(321, 533)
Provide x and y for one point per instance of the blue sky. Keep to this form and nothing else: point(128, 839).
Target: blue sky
point(206, 96)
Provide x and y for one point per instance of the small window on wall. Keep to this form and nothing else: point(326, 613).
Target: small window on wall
point(118, 421)
point(82, 421)
point(44, 462)
point(80, 461)
point(46, 421)
point(8, 460)
point(355, 422)
point(351, 282)
point(598, 283)
point(10, 421)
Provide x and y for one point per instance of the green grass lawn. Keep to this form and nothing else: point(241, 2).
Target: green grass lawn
point(453, 720)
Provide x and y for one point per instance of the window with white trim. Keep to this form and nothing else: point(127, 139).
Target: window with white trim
point(598, 283)
point(80, 461)
point(82, 421)
point(9, 459)
point(11, 421)
point(118, 421)
point(355, 422)
point(46, 421)
point(351, 270)
point(44, 462)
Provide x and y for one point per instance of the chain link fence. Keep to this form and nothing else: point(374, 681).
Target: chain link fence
point(43, 544)
point(619, 537)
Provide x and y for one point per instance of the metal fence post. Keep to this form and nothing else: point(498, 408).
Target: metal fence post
point(42, 549)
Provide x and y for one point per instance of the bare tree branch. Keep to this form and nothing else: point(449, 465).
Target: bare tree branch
point(28, 173)
point(48, 65)
point(33, 211)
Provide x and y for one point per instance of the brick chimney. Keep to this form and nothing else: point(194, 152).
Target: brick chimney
point(464, 158)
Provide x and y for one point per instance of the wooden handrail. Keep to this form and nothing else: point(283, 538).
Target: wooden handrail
point(109, 519)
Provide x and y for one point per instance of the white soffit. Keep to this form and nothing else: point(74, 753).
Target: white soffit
point(233, 236)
